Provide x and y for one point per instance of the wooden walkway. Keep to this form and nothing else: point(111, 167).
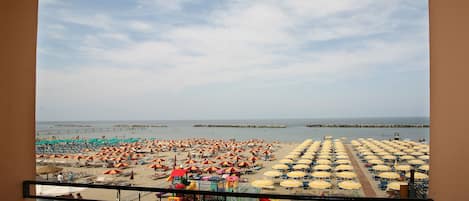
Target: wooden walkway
point(366, 185)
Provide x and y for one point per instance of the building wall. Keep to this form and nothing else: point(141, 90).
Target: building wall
point(449, 99)
point(18, 21)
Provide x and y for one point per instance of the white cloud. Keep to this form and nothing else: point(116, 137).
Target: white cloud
point(140, 26)
point(261, 40)
point(166, 5)
point(248, 42)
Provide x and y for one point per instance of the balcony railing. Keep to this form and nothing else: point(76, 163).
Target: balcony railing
point(194, 194)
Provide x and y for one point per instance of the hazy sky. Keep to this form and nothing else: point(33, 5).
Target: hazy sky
point(189, 59)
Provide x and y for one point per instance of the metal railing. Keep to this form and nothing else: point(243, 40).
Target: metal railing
point(194, 194)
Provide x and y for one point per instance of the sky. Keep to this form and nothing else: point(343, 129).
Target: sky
point(240, 59)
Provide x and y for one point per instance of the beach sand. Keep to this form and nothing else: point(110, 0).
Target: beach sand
point(143, 174)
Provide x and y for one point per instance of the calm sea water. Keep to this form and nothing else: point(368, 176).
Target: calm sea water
point(296, 130)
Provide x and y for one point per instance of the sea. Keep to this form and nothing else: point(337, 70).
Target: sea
point(295, 131)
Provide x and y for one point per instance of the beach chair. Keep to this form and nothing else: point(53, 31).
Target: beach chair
point(305, 185)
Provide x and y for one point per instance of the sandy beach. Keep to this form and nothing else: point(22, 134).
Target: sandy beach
point(149, 163)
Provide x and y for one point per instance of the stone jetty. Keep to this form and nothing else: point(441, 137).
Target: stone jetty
point(239, 126)
point(368, 125)
point(141, 125)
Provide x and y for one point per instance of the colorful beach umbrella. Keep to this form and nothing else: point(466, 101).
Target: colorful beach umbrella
point(272, 174)
point(263, 183)
point(350, 185)
point(319, 184)
point(346, 175)
point(112, 172)
point(296, 174)
point(321, 174)
point(389, 175)
point(291, 183)
point(396, 185)
point(280, 167)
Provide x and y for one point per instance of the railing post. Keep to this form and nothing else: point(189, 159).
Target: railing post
point(118, 195)
point(26, 190)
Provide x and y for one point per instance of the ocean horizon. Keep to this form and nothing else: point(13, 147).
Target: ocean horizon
point(295, 130)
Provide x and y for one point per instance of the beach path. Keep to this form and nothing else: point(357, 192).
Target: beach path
point(366, 185)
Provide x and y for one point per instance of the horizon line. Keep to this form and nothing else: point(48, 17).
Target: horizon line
point(232, 119)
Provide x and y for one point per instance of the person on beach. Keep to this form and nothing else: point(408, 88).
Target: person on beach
point(70, 177)
point(60, 178)
point(79, 197)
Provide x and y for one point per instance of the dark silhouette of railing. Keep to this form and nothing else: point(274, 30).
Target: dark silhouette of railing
point(195, 194)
